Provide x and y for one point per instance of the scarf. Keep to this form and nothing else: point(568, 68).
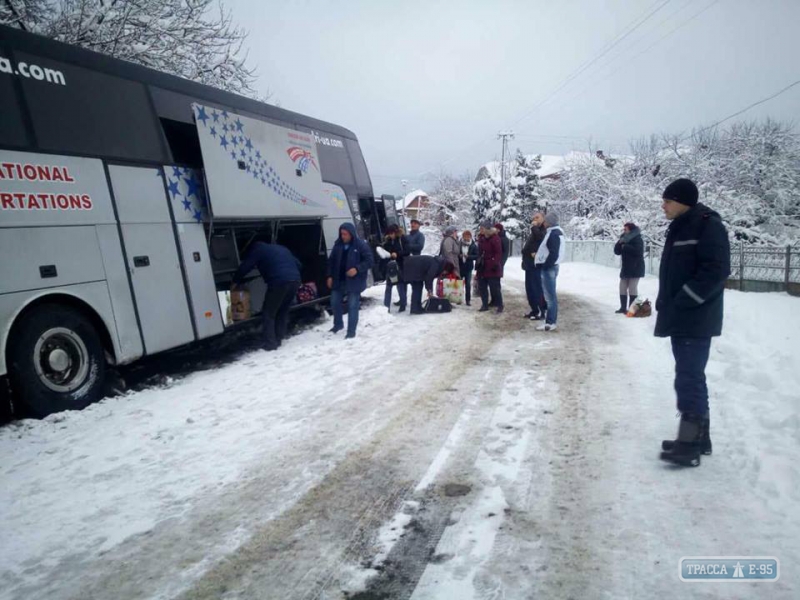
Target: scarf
point(631, 235)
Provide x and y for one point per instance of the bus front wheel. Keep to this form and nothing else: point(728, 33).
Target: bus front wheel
point(57, 360)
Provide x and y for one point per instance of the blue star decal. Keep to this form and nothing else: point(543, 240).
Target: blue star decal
point(242, 153)
point(258, 153)
point(176, 172)
point(159, 174)
point(249, 144)
point(201, 114)
point(215, 115)
point(173, 188)
point(233, 155)
point(187, 205)
point(224, 114)
point(223, 141)
point(193, 187)
point(198, 216)
point(263, 181)
point(239, 124)
point(225, 127)
point(213, 131)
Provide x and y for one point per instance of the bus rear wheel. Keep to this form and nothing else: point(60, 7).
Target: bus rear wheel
point(57, 361)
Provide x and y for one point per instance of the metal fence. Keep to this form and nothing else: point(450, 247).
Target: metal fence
point(775, 268)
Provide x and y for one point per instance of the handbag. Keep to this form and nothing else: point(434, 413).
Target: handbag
point(393, 271)
point(437, 305)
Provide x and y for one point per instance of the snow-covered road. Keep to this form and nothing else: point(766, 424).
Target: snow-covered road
point(444, 456)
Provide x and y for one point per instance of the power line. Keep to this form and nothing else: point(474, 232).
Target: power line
point(635, 24)
point(583, 68)
point(658, 41)
point(753, 105)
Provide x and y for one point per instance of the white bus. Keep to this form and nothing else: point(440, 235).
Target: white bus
point(126, 196)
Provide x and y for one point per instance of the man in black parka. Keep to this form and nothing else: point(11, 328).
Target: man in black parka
point(694, 267)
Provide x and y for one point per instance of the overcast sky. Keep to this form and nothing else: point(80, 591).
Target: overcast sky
point(426, 85)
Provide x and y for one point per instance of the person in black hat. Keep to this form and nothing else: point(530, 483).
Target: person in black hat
point(695, 264)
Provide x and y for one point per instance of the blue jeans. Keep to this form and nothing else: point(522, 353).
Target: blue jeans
point(402, 291)
point(549, 287)
point(533, 289)
point(353, 305)
point(691, 357)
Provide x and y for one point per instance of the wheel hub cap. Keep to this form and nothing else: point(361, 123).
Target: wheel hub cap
point(59, 360)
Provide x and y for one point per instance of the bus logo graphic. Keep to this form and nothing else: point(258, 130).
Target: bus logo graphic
point(302, 158)
point(729, 568)
point(338, 200)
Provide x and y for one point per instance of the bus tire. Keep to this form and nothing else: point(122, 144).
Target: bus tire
point(57, 360)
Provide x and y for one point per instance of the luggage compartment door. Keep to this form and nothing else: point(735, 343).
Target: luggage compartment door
point(187, 194)
point(152, 256)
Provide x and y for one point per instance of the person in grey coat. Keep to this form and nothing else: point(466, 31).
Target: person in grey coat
point(450, 248)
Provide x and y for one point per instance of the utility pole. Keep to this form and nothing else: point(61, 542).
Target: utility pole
point(505, 136)
point(404, 183)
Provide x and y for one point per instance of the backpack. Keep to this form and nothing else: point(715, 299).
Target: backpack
point(393, 271)
point(437, 305)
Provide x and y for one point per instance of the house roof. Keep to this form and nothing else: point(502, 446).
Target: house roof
point(409, 198)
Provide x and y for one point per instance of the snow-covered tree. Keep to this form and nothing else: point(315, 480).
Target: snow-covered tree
point(523, 196)
point(194, 39)
point(450, 202)
point(749, 173)
point(486, 198)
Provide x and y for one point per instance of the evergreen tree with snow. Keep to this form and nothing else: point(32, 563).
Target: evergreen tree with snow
point(486, 198)
point(523, 196)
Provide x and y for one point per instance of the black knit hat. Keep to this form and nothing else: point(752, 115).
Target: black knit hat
point(681, 190)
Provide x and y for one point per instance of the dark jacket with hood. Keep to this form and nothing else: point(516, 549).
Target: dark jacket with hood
point(400, 246)
point(423, 268)
point(276, 264)
point(695, 265)
point(491, 250)
point(631, 247)
point(532, 246)
point(468, 260)
point(505, 243)
point(416, 242)
point(359, 257)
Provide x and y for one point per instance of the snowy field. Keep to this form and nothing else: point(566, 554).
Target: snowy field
point(448, 456)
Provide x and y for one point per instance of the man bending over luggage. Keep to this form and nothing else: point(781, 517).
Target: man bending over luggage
point(423, 271)
point(280, 270)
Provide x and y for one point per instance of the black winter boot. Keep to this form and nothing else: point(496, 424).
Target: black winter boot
point(705, 441)
point(623, 305)
point(686, 449)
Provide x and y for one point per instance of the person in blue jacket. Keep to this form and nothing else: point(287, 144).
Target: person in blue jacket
point(348, 266)
point(280, 270)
